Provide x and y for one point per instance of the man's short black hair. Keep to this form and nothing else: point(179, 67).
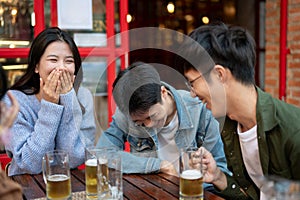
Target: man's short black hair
point(230, 46)
point(137, 88)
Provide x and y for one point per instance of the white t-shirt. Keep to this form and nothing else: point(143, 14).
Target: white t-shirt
point(250, 154)
point(167, 148)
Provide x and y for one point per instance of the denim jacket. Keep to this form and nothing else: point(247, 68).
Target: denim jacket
point(196, 126)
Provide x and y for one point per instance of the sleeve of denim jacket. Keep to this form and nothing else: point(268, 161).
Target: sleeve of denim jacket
point(114, 136)
point(212, 140)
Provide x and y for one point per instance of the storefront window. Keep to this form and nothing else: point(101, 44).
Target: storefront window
point(87, 36)
point(16, 30)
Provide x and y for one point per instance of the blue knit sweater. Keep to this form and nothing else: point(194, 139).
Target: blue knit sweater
point(42, 126)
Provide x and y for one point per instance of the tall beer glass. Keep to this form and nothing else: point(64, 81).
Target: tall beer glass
point(56, 174)
point(110, 184)
point(91, 171)
point(191, 179)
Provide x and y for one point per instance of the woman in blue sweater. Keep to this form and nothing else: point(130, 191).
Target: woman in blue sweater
point(55, 112)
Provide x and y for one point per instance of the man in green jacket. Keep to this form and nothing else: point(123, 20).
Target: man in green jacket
point(261, 134)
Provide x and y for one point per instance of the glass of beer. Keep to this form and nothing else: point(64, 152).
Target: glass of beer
point(91, 154)
point(191, 179)
point(56, 174)
point(110, 184)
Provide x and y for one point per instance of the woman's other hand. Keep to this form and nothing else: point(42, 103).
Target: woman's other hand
point(67, 80)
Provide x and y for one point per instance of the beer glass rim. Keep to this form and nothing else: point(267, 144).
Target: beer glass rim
point(57, 152)
point(189, 148)
point(101, 148)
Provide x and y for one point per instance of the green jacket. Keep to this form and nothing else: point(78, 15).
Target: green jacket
point(278, 134)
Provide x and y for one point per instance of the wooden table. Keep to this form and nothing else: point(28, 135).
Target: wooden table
point(135, 186)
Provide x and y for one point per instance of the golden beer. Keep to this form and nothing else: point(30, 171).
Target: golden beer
point(58, 187)
point(91, 177)
point(191, 184)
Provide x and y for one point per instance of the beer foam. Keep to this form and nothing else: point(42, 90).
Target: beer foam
point(102, 161)
point(91, 162)
point(191, 174)
point(57, 177)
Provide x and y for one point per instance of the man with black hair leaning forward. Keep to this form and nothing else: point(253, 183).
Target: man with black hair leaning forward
point(157, 120)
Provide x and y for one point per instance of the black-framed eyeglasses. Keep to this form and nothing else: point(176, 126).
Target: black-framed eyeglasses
point(189, 84)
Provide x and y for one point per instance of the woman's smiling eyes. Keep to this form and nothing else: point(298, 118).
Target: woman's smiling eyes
point(53, 60)
point(70, 61)
point(67, 61)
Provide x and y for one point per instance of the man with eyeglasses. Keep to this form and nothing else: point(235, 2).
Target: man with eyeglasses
point(261, 134)
point(157, 120)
